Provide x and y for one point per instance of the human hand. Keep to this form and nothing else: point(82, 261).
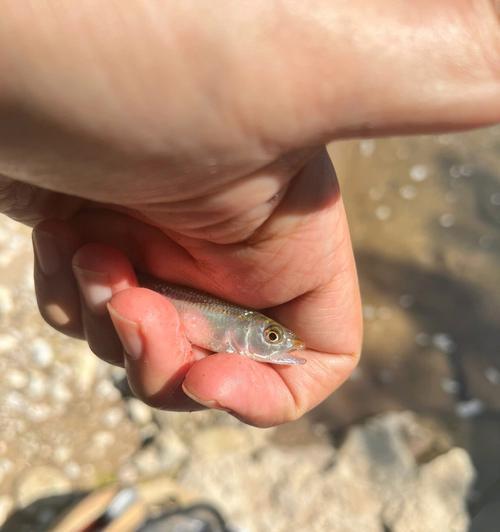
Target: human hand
point(241, 208)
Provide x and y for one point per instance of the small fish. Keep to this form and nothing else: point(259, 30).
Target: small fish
point(223, 327)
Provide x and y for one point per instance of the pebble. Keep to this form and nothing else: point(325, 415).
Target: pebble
point(16, 379)
point(61, 454)
point(103, 439)
point(492, 374)
point(39, 482)
point(41, 352)
point(72, 470)
point(443, 342)
point(112, 417)
point(450, 386)
point(383, 212)
point(107, 390)
point(6, 301)
point(367, 147)
point(468, 409)
point(38, 413)
point(15, 401)
point(419, 172)
point(447, 220)
point(408, 192)
point(37, 386)
point(7, 343)
point(139, 412)
point(60, 392)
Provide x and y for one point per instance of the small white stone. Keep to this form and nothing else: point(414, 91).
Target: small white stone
point(112, 417)
point(72, 470)
point(37, 386)
point(447, 220)
point(7, 343)
point(471, 408)
point(61, 454)
point(60, 392)
point(408, 192)
point(6, 301)
point(450, 386)
point(103, 439)
point(367, 147)
point(107, 390)
point(39, 412)
point(492, 374)
point(383, 212)
point(369, 312)
point(16, 379)
point(419, 172)
point(443, 342)
point(495, 199)
point(42, 352)
point(15, 401)
point(139, 412)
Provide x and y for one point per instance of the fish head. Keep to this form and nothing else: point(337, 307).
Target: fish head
point(268, 341)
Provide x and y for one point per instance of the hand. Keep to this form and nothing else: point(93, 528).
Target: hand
point(237, 203)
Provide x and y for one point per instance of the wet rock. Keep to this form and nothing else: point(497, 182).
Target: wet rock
point(139, 412)
point(38, 482)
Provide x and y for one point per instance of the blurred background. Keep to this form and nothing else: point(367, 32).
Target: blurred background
point(410, 443)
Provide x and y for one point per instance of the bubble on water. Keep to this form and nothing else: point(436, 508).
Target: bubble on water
point(383, 212)
point(406, 300)
point(450, 386)
point(41, 352)
point(447, 220)
point(367, 147)
point(443, 342)
point(470, 408)
point(492, 374)
point(408, 192)
point(495, 199)
point(419, 172)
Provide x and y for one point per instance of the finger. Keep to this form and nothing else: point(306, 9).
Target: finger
point(101, 272)
point(157, 353)
point(54, 243)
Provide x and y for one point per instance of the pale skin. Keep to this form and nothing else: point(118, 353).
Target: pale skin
point(186, 139)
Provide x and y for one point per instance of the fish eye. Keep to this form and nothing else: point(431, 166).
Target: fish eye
point(273, 334)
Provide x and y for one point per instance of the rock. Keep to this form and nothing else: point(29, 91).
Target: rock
point(139, 412)
point(437, 500)
point(172, 451)
point(42, 353)
point(38, 482)
point(6, 301)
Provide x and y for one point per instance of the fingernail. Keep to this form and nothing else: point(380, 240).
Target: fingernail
point(129, 333)
point(209, 403)
point(47, 252)
point(95, 288)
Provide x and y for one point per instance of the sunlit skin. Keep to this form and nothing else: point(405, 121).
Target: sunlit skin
point(187, 141)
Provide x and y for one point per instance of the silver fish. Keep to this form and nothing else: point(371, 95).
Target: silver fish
point(223, 327)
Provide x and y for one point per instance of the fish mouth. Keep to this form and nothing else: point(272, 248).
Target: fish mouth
point(298, 345)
